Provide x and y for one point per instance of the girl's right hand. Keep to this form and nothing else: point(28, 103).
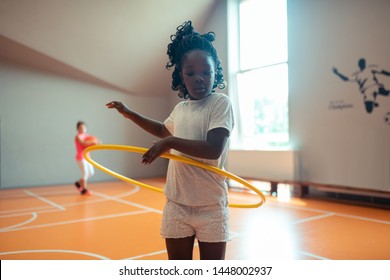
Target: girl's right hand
point(122, 108)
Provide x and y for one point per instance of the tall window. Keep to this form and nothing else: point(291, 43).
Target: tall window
point(261, 79)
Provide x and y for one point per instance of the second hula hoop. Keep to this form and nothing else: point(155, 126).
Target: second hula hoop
point(186, 160)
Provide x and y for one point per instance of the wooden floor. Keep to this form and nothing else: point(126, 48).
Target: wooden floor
point(121, 221)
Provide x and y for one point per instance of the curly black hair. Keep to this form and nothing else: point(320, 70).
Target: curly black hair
point(79, 123)
point(185, 40)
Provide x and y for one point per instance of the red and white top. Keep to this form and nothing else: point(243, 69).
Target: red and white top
point(79, 147)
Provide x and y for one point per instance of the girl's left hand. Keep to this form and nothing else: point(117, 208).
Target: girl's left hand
point(158, 148)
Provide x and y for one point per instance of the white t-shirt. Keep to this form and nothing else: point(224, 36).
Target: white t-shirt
point(192, 119)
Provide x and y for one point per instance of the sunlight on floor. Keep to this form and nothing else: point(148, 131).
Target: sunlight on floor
point(283, 192)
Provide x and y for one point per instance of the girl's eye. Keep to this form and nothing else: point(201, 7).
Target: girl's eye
point(205, 74)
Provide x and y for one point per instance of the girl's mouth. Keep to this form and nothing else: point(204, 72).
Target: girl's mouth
point(200, 89)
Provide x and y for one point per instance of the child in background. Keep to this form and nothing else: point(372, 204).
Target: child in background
point(199, 128)
point(83, 140)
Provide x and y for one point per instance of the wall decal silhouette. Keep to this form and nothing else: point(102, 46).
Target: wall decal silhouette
point(367, 78)
point(387, 118)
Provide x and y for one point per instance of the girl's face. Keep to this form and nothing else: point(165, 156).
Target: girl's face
point(198, 74)
point(82, 129)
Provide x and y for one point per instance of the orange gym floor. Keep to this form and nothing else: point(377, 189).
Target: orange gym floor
point(121, 221)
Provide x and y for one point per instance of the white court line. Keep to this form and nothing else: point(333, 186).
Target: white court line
point(153, 253)
point(128, 202)
point(146, 255)
point(79, 221)
point(101, 199)
point(356, 217)
point(73, 192)
point(56, 251)
point(26, 210)
point(33, 218)
point(45, 200)
point(304, 208)
point(312, 218)
point(47, 209)
point(135, 190)
point(313, 255)
point(232, 235)
point(363, 218)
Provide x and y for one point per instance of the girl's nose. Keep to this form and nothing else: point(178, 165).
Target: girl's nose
point(199, 78)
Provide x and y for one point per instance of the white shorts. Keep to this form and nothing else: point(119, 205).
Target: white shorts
point(208, 223)
point(86, 168)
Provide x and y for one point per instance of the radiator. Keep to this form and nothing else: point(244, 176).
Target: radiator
point(270, 165)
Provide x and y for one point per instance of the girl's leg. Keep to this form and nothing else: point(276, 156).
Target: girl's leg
point(77, 184)
point(85, 173)
point(83, 184)
point(212, 250)
point(91, 170)
point(80, 183)
point(83, 188)
point(180, 248)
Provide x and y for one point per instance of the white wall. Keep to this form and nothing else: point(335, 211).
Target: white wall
point(120, 42)
point(338, 146)
point(38, 115)
point(336, 140)
point(218, 24)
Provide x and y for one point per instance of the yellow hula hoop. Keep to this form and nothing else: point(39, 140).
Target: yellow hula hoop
point(172, 157)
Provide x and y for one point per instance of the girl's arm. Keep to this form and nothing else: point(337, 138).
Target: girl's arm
point(86, 143)
point(212, 148)
point(154, 127)
point(343, 77)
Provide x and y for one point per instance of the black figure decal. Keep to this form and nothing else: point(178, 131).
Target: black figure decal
point(367, 78)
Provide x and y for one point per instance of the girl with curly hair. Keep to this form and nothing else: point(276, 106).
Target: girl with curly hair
point(198, 127)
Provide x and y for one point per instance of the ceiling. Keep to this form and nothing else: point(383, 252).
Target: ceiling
point(118, 44)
